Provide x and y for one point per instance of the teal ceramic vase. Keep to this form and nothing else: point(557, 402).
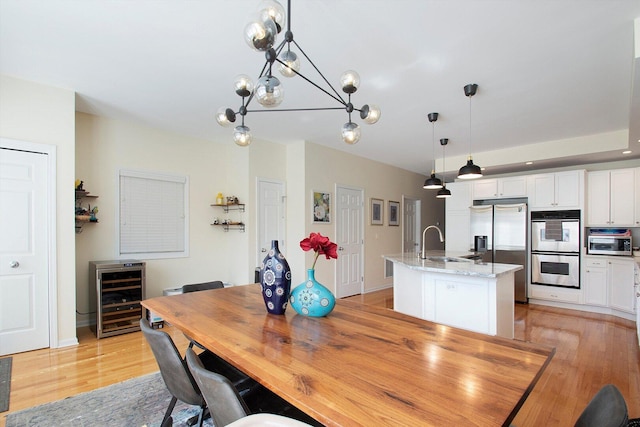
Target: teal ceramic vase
point(312, 298)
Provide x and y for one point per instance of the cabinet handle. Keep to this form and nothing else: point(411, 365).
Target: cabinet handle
point(14, 264)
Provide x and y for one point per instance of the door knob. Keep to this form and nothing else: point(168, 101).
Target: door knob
point(14, 264)
point(263, 250)
point(340, 248)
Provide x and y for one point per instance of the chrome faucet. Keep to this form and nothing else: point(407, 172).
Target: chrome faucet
point(423, 254)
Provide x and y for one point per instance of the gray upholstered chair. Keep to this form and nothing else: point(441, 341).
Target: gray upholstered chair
point(174, 371)
point(225, 404)
point(241, 381)
point(216, 284)
point(606, 409)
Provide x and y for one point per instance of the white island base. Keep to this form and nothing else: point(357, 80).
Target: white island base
point(480, 303)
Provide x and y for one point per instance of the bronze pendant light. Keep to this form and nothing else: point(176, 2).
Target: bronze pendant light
point(433, 182)
point(470, 171)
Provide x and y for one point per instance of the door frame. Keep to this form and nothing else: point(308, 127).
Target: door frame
point(51, 152)
point(362, 228)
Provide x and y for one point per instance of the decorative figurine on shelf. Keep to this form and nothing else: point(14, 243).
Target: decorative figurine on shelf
point(79, 185)
point(219, 199)
point(233, 200)
point(93, 211)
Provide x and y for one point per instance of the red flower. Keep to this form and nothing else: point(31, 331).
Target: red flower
point(321, 245)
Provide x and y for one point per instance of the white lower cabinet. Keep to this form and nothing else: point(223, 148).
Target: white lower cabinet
point(609, 282)
point(621, 291)
point(595, 282)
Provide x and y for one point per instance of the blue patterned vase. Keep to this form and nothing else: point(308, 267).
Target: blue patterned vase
point(275, 280)
point(312, 298)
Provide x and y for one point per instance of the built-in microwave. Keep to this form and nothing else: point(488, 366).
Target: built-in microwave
point(609, 245)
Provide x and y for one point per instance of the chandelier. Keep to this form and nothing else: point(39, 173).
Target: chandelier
point(261, 34)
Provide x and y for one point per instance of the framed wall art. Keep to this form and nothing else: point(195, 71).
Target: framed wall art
point(394, 213)
point(321, 207)
point(377, 206)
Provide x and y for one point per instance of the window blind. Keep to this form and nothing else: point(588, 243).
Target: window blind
point(153, 215)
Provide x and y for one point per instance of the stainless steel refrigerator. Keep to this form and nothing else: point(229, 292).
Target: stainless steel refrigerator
point(504, 223)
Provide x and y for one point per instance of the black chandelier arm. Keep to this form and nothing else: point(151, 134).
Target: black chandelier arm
point(339, 99)
point(295, 109)
point(342, 101)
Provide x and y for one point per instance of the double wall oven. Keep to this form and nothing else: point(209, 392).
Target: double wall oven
point(555, 248)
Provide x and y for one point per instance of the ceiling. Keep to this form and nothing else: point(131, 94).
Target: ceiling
point(547, 70)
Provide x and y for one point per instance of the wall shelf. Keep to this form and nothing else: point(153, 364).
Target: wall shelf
point(82, 215)
point(231, 226)
point(235, 207)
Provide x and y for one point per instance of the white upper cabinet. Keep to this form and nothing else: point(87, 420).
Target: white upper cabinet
point(560, 190)
point(611, 198)
point(515, 186)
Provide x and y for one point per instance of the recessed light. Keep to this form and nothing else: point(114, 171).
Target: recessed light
point(528, 163)
point(626, 152)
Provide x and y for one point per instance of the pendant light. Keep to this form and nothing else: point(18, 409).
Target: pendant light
point(443, 193)
point(470, 171)
point(433, 182)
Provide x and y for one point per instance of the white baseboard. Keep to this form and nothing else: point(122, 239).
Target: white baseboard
point(68, 342)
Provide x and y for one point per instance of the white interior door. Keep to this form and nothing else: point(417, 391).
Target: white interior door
point(411, 225)
point(24, 287)
point(349, 237)
point(270, 217)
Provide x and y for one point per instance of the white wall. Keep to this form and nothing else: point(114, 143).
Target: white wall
point(42, 114)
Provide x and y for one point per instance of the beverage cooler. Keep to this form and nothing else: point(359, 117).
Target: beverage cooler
point(116, 288)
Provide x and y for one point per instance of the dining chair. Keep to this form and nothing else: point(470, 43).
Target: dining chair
point(241, 381)
point(607, 408)
point(174, 371)
point(216, 284)
point(226, 406)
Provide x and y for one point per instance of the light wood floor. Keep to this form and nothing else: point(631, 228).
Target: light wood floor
point(591, 350)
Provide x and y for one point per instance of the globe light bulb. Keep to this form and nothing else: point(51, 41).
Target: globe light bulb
point(260, 34)
point(350, 133)
point(242, 135)
point(292, 64)
point(269, 91)
point(243, 85)
point(271, 9)
point(370, 113)
point(225, 116)
point(350, 81)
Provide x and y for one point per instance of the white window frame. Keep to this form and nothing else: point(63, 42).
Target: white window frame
point(153, 176)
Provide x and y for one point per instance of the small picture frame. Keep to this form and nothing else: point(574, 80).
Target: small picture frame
point(377, 207)
point(321, 207)
point(394, 213)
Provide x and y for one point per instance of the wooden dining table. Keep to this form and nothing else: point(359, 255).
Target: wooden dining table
point(362, 365)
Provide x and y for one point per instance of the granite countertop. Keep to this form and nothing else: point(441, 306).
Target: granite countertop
point(464, 267)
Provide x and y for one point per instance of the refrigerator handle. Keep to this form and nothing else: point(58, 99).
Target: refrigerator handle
point(509, 207)
point(482, 208)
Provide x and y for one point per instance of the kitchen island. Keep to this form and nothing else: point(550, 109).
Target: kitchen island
point(451, 289)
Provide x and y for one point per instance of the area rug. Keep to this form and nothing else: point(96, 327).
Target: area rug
point(133, 403)
point(5, 382)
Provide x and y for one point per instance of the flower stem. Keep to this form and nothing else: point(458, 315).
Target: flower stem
point(313, 266)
